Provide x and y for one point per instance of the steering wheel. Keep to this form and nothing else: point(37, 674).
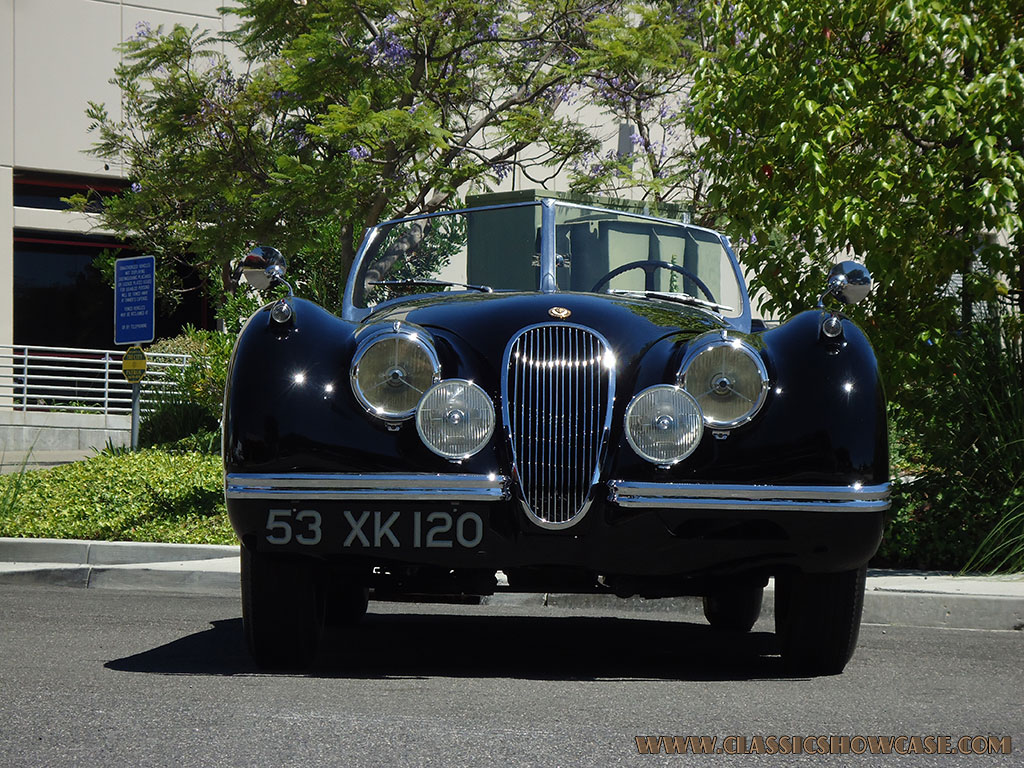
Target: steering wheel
point(649, 268)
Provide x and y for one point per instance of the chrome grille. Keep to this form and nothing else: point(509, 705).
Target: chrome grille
point(557, 395)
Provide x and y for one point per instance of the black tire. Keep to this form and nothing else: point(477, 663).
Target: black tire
point(282, 609)
point(346, 604)
point(734, 610)
point(817, 619)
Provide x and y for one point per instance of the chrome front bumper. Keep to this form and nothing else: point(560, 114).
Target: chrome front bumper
point(445, 488)
point(371, 487)
point(756, 498)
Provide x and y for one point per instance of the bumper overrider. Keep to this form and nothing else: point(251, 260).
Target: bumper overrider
point(474, 520)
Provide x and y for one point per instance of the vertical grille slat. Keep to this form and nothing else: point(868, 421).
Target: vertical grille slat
point(558, 396)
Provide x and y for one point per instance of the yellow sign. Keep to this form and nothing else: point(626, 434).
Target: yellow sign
point(133, 365)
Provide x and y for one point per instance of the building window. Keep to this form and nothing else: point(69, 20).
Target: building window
point(62, 300)
point(46, 190)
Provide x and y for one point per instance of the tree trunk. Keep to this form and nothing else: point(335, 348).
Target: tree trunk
point(348, 254)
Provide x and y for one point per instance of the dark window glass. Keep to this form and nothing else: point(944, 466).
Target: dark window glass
point(45, 190)
point(61, 300)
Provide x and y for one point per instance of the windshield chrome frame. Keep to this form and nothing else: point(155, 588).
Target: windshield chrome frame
point(548, 257)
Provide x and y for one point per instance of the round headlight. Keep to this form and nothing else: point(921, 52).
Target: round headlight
point(392, 369)
point(455, 418)
point(664, 424)
point(728, 379)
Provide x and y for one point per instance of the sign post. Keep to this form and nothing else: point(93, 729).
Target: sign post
point(133, 367)
point(135, 322)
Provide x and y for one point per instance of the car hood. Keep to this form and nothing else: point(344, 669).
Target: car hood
point(486, 320)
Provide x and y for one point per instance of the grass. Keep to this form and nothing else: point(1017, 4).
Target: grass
point(10, 490)
point(1002, 551)
point(150, 495)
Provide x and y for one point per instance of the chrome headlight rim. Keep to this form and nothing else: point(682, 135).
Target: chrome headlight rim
point(380, 334)
point(640, 451)
point(481, 443)
point(705, 345)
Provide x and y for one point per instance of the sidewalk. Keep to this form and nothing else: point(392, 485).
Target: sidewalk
point(16, 461)
point(910, 598)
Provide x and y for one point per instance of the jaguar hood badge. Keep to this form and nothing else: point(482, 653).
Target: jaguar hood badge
point(559, 313)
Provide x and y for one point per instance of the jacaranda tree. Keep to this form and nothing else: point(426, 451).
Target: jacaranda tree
point(638, 67)
point(337, 114)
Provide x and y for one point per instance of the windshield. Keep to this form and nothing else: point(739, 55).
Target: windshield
point(567, 248)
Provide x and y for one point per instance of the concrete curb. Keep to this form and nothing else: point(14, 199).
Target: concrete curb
point(917, 609)
point(186, 578)
point(909, 609)
point(899, 598)
point(204, 569)
point(81, 552)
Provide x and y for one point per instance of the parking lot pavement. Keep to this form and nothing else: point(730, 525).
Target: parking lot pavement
point(909, 598)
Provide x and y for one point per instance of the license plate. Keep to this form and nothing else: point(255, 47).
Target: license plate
point(376, 529)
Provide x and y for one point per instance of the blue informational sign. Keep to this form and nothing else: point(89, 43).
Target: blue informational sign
point(135, 300)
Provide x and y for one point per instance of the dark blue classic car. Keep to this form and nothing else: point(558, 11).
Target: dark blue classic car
point(554, 397)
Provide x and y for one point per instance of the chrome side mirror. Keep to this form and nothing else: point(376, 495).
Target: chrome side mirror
point(262, 267)
point(848, 281)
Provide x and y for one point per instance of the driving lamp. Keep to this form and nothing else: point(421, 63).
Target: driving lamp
point(664, 424)
point(455, 419)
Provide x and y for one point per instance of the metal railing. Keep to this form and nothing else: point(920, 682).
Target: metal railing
point(69, 379)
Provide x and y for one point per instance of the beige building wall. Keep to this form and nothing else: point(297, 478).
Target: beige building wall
point(6, 175)
point(6, 255)
point(55, 57)
point(63, 56)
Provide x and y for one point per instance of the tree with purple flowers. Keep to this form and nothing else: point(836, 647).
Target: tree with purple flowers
point(341, 114)
point(638, 68)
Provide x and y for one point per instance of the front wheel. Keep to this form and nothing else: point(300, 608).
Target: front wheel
point(817, 619)
point(282, 609)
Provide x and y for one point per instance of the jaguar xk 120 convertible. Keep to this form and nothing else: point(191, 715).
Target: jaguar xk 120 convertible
point(550, 397)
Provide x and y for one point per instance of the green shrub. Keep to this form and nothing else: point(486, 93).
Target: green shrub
point(960, 453)
point(147, 495)
point(188, 415)
point(936, 523)
point(999, 452)
point(174, 419)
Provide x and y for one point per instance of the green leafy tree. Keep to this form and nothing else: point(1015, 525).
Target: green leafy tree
point(891, 131)
point(341, 114)
point(638, 67)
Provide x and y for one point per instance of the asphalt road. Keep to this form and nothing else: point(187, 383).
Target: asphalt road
point(105, 678)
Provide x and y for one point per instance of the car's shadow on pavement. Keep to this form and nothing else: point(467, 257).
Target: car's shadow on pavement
point(420, 645)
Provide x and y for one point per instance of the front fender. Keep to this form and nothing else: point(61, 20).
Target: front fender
point(823, 422)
